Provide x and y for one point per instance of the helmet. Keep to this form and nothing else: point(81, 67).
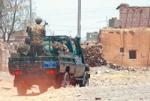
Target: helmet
point(38, 20)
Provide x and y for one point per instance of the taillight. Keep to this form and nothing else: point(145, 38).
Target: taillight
point(18, 72)
point(52, 72)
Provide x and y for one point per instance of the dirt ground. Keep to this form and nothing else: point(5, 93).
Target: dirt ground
point(105, 85)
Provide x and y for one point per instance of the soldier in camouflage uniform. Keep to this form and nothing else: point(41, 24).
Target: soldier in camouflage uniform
point(38, 29)
point(36, 34)
point(60, 48)
point(24, 48)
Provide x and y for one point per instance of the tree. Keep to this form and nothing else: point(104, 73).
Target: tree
point(14, 16)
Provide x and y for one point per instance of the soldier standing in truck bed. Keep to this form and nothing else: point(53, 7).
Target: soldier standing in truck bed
point(36, 34)
point(38, 29)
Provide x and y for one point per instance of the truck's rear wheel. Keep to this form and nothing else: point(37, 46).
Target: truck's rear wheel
point(43, 89)
point(21, 90)
point(21, 86)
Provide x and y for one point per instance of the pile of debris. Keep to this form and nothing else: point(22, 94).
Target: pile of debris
point(117, 67)
point(92, 52)
point(128, 68)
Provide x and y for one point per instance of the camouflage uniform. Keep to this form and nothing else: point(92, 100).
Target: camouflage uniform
point(60, 47)
point(37, 32)
point(23, 49)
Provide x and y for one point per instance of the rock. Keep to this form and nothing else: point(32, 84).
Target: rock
point(6, 88)
point(107, 71)
point(78, 95)
point(97, 98)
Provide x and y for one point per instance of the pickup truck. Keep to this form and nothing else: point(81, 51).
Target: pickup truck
point(57, 69)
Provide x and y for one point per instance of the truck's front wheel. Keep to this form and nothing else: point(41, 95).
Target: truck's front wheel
point(85, 80)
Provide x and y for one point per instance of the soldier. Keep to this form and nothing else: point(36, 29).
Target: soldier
point(24, 48)
point(63, 48)
point(36, 33)
point(38, 29)
point(60, 48)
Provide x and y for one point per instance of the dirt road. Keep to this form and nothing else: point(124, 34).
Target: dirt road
point(105, 85)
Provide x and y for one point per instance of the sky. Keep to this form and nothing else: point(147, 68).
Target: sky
point(61, 15)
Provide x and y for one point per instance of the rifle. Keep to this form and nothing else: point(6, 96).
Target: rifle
point(45, 24)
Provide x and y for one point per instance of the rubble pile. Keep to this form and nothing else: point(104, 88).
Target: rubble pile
point(119, 67)
point(92, 52)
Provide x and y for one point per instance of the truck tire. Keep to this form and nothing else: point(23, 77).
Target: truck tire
point(21, 86)
point(21, 90)
point(43, 89)
point(58, 81)
point(43, 86)
point(85, 80)
point(66, 80)
point(81, 84)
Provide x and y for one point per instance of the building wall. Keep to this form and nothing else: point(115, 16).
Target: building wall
point(134, 16)
point(114, 22)
point(137, 39)
point(93, 36)
point(18, 36)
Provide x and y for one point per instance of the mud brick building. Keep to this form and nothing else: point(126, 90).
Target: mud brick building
point(128, 47)
point(18, 36)
point(134, 16)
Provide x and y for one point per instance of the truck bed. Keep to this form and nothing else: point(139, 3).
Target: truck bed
point(34, 64)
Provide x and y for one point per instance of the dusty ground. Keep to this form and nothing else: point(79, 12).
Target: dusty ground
point(105, 85)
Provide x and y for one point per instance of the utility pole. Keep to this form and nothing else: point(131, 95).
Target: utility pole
point(79, 19)
point(30, 11)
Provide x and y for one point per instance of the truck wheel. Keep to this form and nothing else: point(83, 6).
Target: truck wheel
point(21, 90)
point(58, 81)
point(65, 80)
point(81, 84)
point(85, 80)
point(43, 88)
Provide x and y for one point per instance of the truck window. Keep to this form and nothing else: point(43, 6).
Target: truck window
point(55, 47)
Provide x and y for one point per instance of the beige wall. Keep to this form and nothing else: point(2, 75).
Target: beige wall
point(134, 17)
point(130, 39)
